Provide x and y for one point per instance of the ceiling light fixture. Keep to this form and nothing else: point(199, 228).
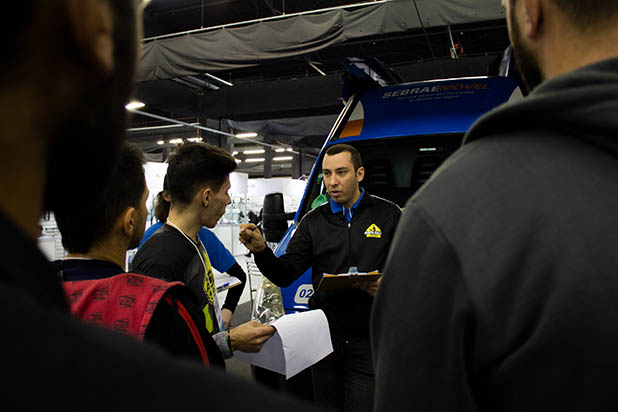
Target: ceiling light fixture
point(280, 150)
point(246, 135)
point(161, 142)
point(282, 158)
point(134, 105)
point(256, 151)
point(195, 139)
point(255, 160)
point(176, 141)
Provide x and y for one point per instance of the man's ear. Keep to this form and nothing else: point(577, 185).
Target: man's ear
point(128, 221)
point(166, 196)
point(360, 174)
point(532, 18)
point(91, 25)
point(206, 194)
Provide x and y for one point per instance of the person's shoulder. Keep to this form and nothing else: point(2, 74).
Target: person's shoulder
point(207, 233)
point(315, 213)
point(164, 246)
point(385, 204)
point(208, 237)
point(164, 239)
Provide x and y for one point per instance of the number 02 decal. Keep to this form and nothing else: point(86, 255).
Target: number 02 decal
point(303, 293)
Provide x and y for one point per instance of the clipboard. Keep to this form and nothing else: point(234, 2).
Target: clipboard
point(345, 280)
point(224, 282)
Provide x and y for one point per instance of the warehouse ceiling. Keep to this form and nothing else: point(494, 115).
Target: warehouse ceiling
point(290, 97)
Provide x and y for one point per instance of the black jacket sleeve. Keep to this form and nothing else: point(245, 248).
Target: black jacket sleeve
point(286, 269)
point(233, 295)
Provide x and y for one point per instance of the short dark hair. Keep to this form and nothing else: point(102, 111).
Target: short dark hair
point(587, 14)
point(194, 166)
point(339, 148)
point(82, 228)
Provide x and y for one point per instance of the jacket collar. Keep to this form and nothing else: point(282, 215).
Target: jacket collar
point(88, 269)
point(337, 208)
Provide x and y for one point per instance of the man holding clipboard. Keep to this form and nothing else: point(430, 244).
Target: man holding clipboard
point(352, 231)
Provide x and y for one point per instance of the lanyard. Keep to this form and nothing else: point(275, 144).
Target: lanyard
point(197, 249)
point(209, 281)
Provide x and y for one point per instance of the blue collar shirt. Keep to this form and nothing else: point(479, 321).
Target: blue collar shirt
point(347, 212)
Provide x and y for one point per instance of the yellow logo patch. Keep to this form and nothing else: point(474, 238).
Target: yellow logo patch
point(373, 231)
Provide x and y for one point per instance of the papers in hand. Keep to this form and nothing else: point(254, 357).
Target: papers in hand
point(346, 280)
point(302, 339)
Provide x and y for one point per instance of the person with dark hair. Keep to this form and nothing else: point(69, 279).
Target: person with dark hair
point(67, 73)
point(198, 180)
point(220, 258)
point(101, 292)
point(500, 290)
point(354, 229)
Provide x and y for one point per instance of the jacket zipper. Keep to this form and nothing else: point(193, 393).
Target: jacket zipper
point(349, 238)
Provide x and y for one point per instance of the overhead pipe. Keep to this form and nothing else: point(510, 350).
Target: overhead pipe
point(433, 53)
point(208, 129)
point(150, 128)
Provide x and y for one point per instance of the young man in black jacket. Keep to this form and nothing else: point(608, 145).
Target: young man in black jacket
point(198, 179)
point(63, 84)
point(102, 293)
point(500, 291)
point(354, 229)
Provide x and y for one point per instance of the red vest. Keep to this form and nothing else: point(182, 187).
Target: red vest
point(123, 302)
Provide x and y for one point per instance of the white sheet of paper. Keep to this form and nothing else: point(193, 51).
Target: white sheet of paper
point(301, 340)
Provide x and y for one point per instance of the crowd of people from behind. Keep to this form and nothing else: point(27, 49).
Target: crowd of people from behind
point(498, 290)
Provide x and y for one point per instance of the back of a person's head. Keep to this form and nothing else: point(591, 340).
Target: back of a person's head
point(96, 219)
point(13, 29)
point(194, 166)
point(589, 14)
point(28, 16)
point(586, 16)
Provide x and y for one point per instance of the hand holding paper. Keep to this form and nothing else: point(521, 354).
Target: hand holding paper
point(302, 339)
point(250, 336)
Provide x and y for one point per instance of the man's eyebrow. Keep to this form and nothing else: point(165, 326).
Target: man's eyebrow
point(339, 169)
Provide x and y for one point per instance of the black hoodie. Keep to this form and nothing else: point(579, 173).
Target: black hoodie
point(501, 289)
